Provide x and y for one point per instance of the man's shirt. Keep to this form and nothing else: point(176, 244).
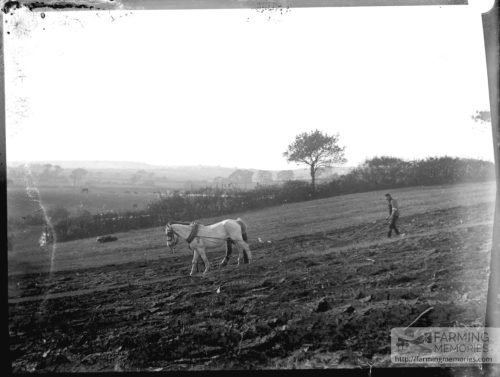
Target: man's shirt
point(393, 207)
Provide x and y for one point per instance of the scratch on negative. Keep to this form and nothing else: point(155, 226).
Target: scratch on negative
point(34, 194)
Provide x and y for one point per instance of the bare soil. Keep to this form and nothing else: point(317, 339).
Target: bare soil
point(321, 299)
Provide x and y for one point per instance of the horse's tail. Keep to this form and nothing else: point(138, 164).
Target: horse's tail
point(243, 229)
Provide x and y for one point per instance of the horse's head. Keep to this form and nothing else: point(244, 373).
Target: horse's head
point(172, 237)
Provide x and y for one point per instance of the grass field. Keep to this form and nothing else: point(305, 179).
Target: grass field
point(98, 199)
point(324, 288)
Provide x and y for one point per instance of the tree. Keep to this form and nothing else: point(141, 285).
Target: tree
point(77, 175)
point(382, 161)
point(285, 175)
point(317, 150)
point(241, 176)
point(57, 170)
point(144, 177)
point(386, 170)
point(46, 173)
point(50, 173)
point(220, 181)
point(264, 176)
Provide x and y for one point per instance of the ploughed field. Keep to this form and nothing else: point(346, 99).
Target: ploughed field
point(324, 289)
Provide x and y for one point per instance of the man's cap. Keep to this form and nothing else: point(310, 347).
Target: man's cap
point(388, 195)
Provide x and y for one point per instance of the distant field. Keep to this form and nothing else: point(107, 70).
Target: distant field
point(98, 199)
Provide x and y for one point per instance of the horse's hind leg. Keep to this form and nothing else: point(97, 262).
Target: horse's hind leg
point(240, 252)
point(229, 250)
point(245, 251)
point(247, 256)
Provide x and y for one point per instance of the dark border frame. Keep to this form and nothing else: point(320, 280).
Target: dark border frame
point(492, 53)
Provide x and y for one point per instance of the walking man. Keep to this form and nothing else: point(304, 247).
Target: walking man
point(393, 214)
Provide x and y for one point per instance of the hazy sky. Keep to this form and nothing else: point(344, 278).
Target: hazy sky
point(234, 87)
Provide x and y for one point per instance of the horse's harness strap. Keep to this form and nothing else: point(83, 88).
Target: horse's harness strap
point(194, 231)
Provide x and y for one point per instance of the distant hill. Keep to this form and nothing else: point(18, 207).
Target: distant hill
point(172, 173)
point(192, 173)
point(93, 165)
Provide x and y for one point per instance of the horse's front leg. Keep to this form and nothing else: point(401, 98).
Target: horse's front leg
point(205, 260)
point(194, 263)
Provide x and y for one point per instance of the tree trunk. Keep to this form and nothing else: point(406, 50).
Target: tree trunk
point(313, 178)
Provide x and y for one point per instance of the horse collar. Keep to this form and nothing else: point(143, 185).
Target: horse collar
point(194, 232)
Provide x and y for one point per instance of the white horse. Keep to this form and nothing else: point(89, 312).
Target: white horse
point(201, 237)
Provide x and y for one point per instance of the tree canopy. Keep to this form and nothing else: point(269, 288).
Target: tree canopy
point(317, 150)
point(77, 175)
point(241, 176)
point(264, 176)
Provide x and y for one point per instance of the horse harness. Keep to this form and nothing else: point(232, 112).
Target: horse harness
point(194, 232)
